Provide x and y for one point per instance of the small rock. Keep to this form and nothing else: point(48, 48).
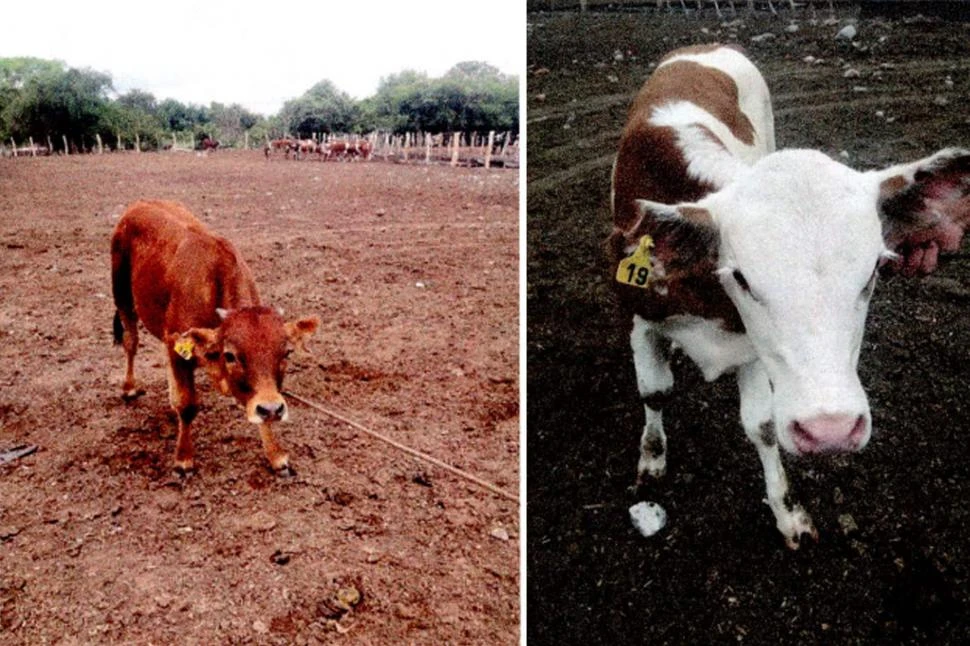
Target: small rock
point(792, 28)
point(851, 73)
point(499, 533)
point(280, 557)
point(881, 114)
point(760, 38)
point(848, 524)
point(941, 100)
point(847, 33)
point(617, 55)
point(379, 213)
point(648, 517)
point(809, 59)
point(261, 521)
point(860, 89)
point(260, 627)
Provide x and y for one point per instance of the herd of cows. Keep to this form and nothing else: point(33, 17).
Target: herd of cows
point(337, 150)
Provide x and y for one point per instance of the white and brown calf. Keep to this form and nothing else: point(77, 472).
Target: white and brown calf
point(763, 262)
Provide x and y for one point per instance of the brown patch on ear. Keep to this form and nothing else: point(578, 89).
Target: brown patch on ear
point(696, 215)
point(891, 186)
point(300, 330)
point(685, 237)
point(932, 208)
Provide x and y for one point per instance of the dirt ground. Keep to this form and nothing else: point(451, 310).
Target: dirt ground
point(413, 272)
point(893, 561)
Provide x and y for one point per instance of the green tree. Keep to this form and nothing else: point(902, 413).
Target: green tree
point(72, 102)
point(176, 116)
point(322, 108)
point(139, 100)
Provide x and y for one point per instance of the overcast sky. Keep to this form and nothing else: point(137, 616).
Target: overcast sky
point(262, 54)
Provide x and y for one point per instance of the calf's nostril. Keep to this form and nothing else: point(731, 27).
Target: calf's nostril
point(269, 411)
point(858, 430)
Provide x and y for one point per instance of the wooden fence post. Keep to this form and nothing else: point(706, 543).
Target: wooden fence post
point(407, 147)
point(137, 143)
point(455, 142)
point(427, 148)
point(246, 140)
point(67, 151)
point(488, 150)
point(50, 146)
point(14, 144)
point(97, 136)
point(33, 150)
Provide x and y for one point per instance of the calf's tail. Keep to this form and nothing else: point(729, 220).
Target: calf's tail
point(121, 286)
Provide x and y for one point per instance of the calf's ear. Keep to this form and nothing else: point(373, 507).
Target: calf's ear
point(300, 330)
point(925, 207)
point(684, 235)
point(198, 343)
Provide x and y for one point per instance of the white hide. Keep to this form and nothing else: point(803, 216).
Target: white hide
point(804, 232)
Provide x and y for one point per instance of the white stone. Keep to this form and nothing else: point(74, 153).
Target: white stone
point(648, 517)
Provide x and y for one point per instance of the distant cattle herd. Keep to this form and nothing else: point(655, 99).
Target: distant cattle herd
point(336, 150)
point(494, 150)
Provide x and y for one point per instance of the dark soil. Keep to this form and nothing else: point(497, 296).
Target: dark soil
point(413, 272)
point(719, 571)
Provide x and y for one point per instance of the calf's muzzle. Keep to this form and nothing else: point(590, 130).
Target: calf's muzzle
point(829, 433)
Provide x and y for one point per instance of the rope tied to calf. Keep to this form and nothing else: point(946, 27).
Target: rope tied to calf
point(402, 447)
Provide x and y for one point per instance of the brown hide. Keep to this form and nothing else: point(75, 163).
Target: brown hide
point(180, 272)
point(651, 166)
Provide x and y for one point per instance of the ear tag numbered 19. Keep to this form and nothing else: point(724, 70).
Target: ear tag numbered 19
point(184, 347)
point(635, 270)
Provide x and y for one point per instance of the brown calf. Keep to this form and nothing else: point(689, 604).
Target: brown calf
point(193, 290)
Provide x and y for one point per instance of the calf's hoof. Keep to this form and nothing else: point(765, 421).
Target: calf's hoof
point(281, 465)
point(651, 468)
point(795, 526)
point(132, 394)
point(184, 468)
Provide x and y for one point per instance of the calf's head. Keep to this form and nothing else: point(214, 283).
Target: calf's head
point(797, 241)
point(246, 357)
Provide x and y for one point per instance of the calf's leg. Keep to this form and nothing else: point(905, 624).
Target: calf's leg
point(126, 332)
point(181, 392)
point(274, 453)
point(651, 360)
point(793, 522)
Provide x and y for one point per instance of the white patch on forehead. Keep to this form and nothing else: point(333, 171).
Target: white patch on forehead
point(798, 210)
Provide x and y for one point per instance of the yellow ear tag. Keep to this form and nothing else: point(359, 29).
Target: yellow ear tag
point(635, 270)
point(184, 347)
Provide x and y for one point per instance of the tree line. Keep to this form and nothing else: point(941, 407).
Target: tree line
point(44, 99)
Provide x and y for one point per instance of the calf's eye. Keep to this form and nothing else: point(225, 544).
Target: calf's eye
point(229, 357)
point(741, 280)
